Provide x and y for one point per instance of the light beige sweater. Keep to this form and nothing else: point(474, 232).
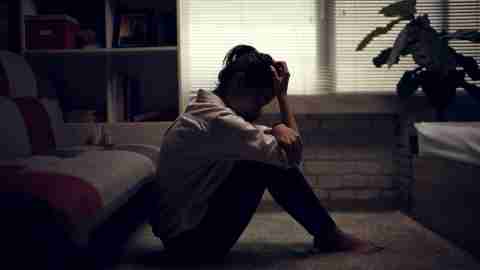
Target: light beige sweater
point(197, 154)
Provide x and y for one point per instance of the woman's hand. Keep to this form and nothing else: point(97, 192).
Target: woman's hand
point(290, 141)
point(281, 76)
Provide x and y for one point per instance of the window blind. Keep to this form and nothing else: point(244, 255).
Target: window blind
point(355, 71)
point(316, 37)
point(295, 31)
point(464, 14)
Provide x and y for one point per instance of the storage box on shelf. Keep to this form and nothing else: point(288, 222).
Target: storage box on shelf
point(51, 32)
point(160, 94)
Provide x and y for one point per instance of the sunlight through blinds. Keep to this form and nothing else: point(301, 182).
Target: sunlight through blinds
point(355, 71)
point(316, 37)
point(464, 14)
point(294, 31)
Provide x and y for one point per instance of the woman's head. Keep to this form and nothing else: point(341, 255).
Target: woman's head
point(246, 74)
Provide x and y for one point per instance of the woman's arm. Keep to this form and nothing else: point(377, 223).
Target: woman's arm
point(287, 133)
point(281, 77)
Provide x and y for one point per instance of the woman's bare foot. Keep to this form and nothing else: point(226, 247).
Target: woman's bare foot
point(347, 243)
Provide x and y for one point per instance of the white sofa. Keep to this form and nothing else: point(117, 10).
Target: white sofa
point(445, 188)
point(458, 141)
point(42, 157)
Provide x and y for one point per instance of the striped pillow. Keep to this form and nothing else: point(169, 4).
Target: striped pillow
point(21, 79)
point(14, 139)
point(56, 121)
point(4, 83)
point(38, 124)
point(31, 127)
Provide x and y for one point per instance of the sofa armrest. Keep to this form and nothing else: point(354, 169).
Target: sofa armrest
point(150, 151)
point(148, 133)
point(451, 140)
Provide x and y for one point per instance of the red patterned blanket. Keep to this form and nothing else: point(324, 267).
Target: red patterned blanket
point(75, 197)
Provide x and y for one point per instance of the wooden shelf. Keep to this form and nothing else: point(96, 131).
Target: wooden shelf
point(144, 64)
point(103, 51)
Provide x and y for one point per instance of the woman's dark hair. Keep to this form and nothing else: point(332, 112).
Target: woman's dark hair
point(255, 66)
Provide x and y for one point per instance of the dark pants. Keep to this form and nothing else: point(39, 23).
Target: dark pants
point(232, 207)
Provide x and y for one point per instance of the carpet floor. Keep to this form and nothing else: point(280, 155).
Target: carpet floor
point(275, 241)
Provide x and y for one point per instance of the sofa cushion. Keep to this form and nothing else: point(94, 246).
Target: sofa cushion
point(14, 139)
point(150, 151)
point(458, 141)
point(74, 197)
point(56, 121)
point(4, 83)
point(38, 124)
point(35, 126)
point(102, 179)
point(111, 172)
point(20, 77)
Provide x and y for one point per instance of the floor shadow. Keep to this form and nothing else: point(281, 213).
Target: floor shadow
point(242, 256)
